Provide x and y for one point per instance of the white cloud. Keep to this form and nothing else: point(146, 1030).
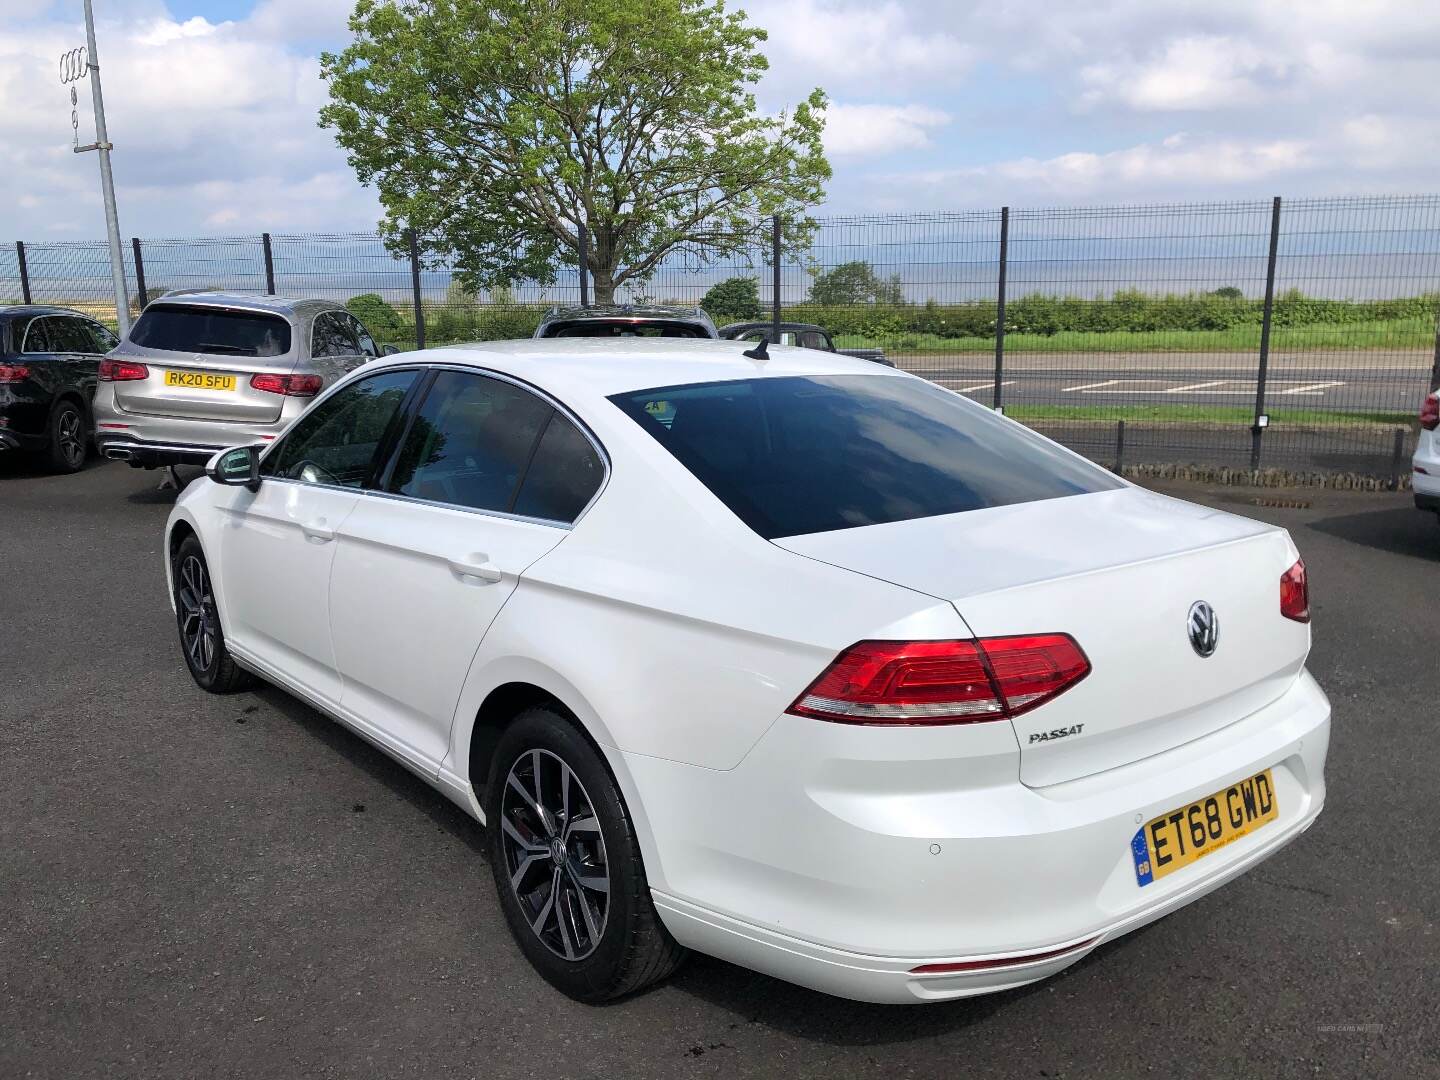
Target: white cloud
point(868, 47)
point(870, 130)
point(1189, 73)
point(191, 104)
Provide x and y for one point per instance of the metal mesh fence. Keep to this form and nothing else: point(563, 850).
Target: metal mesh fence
point(1132, 334)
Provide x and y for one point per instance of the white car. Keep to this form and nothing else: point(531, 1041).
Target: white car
point(794, 660)
point(1425, 466)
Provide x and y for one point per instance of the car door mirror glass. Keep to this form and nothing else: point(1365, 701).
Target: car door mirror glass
point(237, 467)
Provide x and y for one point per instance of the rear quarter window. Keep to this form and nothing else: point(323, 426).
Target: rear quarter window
point(215, 330)
point(805, 454)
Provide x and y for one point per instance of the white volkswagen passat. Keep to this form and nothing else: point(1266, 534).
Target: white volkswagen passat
point(793, 660)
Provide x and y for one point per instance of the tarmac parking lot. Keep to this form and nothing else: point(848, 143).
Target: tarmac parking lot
point(206, 886)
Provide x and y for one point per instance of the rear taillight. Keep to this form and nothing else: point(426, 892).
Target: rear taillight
point(288, 385)
point(12, 373)
point(943, 682)
point(1430, 413)
point(1295, 593)
point(122, 371)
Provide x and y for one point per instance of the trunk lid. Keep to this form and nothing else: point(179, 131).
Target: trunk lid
point(1118, 571)
point(242, 403)
point(206, 340)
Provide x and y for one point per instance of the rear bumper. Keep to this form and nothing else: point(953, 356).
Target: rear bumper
point(119, 446)
point(846, 875)
point(18, 441)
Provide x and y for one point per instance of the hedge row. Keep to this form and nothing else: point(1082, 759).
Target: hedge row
point(1127, 310)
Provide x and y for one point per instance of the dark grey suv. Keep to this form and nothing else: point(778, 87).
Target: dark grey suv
point(625, 320)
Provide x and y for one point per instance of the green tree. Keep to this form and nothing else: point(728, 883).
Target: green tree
point(734, 298)
point(889, 291)
point(498, 129)
point(378, 316)
point(854, 283)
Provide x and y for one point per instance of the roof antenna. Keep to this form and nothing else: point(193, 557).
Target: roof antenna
point(761, 351)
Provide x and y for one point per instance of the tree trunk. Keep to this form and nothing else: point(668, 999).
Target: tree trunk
point(603, 279)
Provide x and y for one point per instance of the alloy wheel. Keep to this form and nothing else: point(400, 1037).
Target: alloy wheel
point(70, 439)
point(555, 854)
point(198, 617)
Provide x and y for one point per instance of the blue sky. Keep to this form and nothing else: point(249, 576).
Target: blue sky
point(935, 104)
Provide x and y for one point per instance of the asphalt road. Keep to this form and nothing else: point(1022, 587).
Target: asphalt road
point(1382, 380)
point(200, 886)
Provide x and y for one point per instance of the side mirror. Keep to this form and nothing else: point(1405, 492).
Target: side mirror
point(389, 350)
point(236, 467)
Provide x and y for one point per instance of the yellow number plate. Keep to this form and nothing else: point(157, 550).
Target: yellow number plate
point(199, 380)
point(1177, 839)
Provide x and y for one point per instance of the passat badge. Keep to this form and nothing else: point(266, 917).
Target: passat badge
point(1204, 628)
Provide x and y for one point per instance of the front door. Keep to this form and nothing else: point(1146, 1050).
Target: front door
point(277, 543)
point(422, 568)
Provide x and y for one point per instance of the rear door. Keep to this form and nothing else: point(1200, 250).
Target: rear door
point(486, 480)
point(202, 358)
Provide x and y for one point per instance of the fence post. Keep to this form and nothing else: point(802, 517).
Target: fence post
point(775, 276)
point(1257, 429)
point(269, 264)
point(24, 271)
point(1000, 308)
point(1397, 456)
point(140, 293)
point(1119, 447)
point(414, 247)
point(583, 251)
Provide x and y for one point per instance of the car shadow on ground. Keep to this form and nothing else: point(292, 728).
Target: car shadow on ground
point(748, 996)
point(379, 766)
point(1400, 531)
point(32, 467)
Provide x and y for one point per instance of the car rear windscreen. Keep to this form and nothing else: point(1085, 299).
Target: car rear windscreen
point(204, 329)
point(808, 454)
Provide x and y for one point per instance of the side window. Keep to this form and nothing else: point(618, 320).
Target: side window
point(331, 337)
point(814, 339)
point(37, 337)
point(563, 475)
point(104, 339)
point(336, 441)
point(367, 343)
point(469, 442)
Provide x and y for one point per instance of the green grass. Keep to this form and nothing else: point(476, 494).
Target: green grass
point(1414, 333)
point(1206, 414)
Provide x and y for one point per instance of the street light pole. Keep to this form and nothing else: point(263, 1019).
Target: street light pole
point(107, 179)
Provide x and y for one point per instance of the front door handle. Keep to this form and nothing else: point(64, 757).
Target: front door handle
point(477, 568)
point(317, 531)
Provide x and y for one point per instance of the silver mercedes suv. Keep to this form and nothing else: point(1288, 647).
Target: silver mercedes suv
point(203, 371)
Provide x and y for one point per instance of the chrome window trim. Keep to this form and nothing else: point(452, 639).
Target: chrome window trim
point(26, 340)
point(470, 369)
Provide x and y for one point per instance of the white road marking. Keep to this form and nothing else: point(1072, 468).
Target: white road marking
point(1091, 386)
point(1312, 388)
point(982, 386)
point(1196, 386)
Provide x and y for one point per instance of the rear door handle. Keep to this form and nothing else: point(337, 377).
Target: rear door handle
point(317, 531)
point(477, 568)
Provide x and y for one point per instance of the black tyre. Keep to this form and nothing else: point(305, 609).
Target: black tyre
point(202, 640)
point(65, 452)
point(567, 865)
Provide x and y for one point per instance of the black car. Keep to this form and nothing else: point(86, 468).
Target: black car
point(805, 335)
point(625, 320)
point(49, 364)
